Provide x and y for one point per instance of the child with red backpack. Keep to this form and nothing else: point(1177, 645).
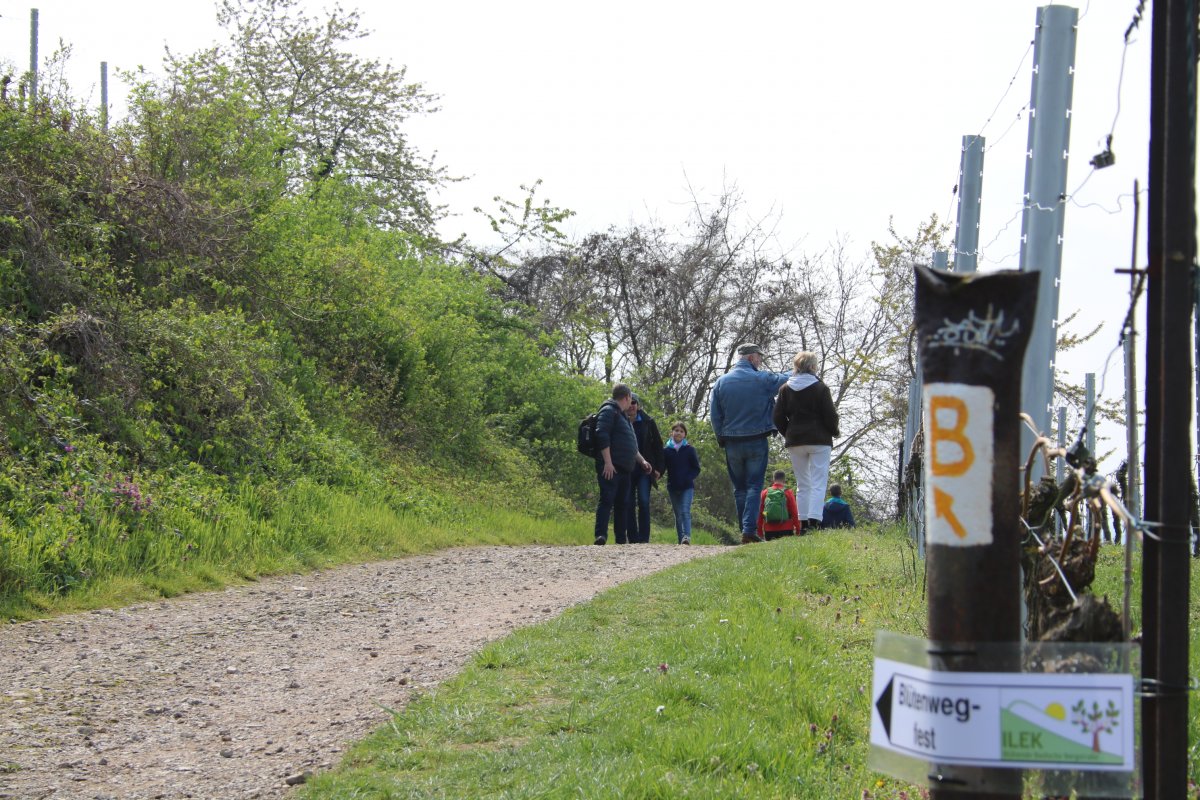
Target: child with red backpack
point(777, 514)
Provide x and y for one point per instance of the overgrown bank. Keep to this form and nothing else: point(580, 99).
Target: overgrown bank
point(209, 369)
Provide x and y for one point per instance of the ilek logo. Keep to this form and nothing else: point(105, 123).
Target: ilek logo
point(1040, 726)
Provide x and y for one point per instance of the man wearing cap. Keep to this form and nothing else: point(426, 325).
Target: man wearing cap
point(741, 408)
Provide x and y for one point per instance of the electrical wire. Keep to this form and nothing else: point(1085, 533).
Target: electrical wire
point(1111, 212)
point(1007, 88)
point(1005, 132)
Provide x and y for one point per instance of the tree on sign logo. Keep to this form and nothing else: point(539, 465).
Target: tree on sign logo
point(1096, 721)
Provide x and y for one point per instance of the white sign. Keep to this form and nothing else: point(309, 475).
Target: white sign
point(1005, 719)
point(958, 464)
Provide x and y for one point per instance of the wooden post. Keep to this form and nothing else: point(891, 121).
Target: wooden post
point(972, 333)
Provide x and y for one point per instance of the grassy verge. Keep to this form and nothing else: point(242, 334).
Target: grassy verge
point(204, 539)
point(745, 676)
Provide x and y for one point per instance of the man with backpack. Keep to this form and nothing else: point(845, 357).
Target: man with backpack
point(616, 454)
point(777, 514)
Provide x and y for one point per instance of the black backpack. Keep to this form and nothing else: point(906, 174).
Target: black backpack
point(585, 438)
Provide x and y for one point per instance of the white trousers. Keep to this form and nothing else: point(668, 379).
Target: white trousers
point(810, 465)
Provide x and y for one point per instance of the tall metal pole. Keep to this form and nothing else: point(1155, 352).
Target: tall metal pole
point(103, 95)
point(1062, 443)
point(1058, 462)
point(1171, 260)
point(970, 192)
point(1133, 488)
point(1133, 474)
point(1089, 423)
point(913, 421)
point(1045, 189)
point(1089, 412)
point(33, 56)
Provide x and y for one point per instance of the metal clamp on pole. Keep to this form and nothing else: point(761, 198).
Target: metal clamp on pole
point(1149, 687)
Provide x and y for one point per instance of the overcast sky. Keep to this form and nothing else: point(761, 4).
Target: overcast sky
point(835, 116)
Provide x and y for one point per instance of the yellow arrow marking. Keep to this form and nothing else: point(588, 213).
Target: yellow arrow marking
point(943, 502)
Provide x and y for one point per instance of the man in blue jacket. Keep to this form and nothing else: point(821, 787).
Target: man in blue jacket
point(742, 404)
point(618, 456)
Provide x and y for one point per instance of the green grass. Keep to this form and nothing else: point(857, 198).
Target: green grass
point(257, 531)
point(307, 527)
point(746, 676)
point(742, 676)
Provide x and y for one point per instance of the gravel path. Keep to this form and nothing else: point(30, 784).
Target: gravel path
point(234, 694)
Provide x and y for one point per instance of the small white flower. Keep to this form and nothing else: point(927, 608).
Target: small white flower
point(660, 709)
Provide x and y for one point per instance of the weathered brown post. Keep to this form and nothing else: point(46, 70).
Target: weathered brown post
point(972, 332)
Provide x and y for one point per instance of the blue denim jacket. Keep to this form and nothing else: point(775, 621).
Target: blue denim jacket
point(743, 401)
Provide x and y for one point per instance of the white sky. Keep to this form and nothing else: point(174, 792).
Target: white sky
point(834, 115)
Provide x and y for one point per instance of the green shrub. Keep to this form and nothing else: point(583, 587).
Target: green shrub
point(212, 368)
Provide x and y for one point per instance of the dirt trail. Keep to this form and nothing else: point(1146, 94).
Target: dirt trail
point(231, 694)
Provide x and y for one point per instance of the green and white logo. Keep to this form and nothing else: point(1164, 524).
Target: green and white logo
point(1050, 726)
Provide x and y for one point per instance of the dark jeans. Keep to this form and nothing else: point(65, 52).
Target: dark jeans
point(614, 495)
point(746, 462)
point(639, 507)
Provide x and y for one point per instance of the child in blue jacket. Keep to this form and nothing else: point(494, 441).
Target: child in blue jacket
point(837, 513)
point(682, 468)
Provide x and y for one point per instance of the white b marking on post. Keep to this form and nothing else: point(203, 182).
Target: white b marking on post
point(958, 464)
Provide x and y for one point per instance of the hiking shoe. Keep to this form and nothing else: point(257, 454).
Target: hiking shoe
point(748, 538)
point(686, 540)
point(600, 540)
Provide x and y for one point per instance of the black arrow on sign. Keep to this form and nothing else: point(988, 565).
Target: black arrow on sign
point(884, 706)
